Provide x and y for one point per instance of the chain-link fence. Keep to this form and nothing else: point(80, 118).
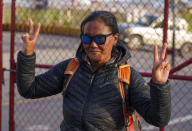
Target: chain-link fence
point(141, 27)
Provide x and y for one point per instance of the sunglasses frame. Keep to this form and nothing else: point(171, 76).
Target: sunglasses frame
point(94, 38)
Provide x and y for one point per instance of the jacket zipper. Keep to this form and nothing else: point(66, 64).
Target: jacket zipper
point(86, 100)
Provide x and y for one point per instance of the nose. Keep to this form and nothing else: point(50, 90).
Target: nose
point(93, 44)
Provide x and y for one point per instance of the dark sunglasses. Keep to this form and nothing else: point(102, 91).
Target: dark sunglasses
point(99, 39)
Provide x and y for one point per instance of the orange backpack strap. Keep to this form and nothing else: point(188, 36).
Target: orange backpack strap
point(70, 70)
point(124, 77)
point(132, 122)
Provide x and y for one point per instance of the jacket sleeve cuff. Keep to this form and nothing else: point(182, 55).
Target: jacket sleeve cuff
point(164, 85)
point(26, 56)
point(26, 60)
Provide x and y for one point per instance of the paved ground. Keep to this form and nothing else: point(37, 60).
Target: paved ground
point(46, 114)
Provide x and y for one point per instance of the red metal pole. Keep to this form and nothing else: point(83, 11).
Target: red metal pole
point(180, 77)
point(1, 58)
point(177, 77)
point(165, 28)
point(162, 129)
point(12, 67)
point(181, 66)
point(175, 69)
point(165, 22)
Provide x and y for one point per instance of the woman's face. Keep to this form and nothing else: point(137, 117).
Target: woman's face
point(99, 53)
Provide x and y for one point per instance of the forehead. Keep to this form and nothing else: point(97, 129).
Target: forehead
point(96, 27)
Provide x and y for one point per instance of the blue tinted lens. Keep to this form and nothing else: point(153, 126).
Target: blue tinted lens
point(85, 39)
point(100, 39)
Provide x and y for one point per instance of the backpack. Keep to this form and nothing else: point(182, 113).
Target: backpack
point(131, 119)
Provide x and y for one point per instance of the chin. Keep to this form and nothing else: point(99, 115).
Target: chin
point(95, 59)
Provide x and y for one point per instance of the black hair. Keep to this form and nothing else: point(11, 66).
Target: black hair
point(107, 17)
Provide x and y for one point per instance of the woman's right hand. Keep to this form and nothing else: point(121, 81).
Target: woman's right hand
point(30, 39)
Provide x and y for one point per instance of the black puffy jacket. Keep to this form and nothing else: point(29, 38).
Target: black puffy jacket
point(92, 101)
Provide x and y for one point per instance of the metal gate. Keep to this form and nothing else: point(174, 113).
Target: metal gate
point(58, 42)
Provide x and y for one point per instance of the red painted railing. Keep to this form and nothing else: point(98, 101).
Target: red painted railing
point(12, 67)
point(175, 69)
point(1, 61)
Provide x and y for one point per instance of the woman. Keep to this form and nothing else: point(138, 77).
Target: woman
point(92, 100)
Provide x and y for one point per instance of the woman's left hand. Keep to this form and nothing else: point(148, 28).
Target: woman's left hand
point(161, 66)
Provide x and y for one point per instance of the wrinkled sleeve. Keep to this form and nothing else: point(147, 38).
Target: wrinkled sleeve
point(46, 84)
point(152, 103)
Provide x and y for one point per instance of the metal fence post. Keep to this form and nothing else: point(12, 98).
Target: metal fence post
point(165, 22)
point(1, 61)
point(12, 67)
point(165, 28)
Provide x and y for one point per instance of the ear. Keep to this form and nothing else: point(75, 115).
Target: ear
point(116, 37)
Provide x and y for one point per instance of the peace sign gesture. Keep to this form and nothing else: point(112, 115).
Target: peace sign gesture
point(161, 66)
point(30, 39)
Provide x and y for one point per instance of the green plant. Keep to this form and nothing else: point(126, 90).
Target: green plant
point(188, 18)
point(66, 18)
